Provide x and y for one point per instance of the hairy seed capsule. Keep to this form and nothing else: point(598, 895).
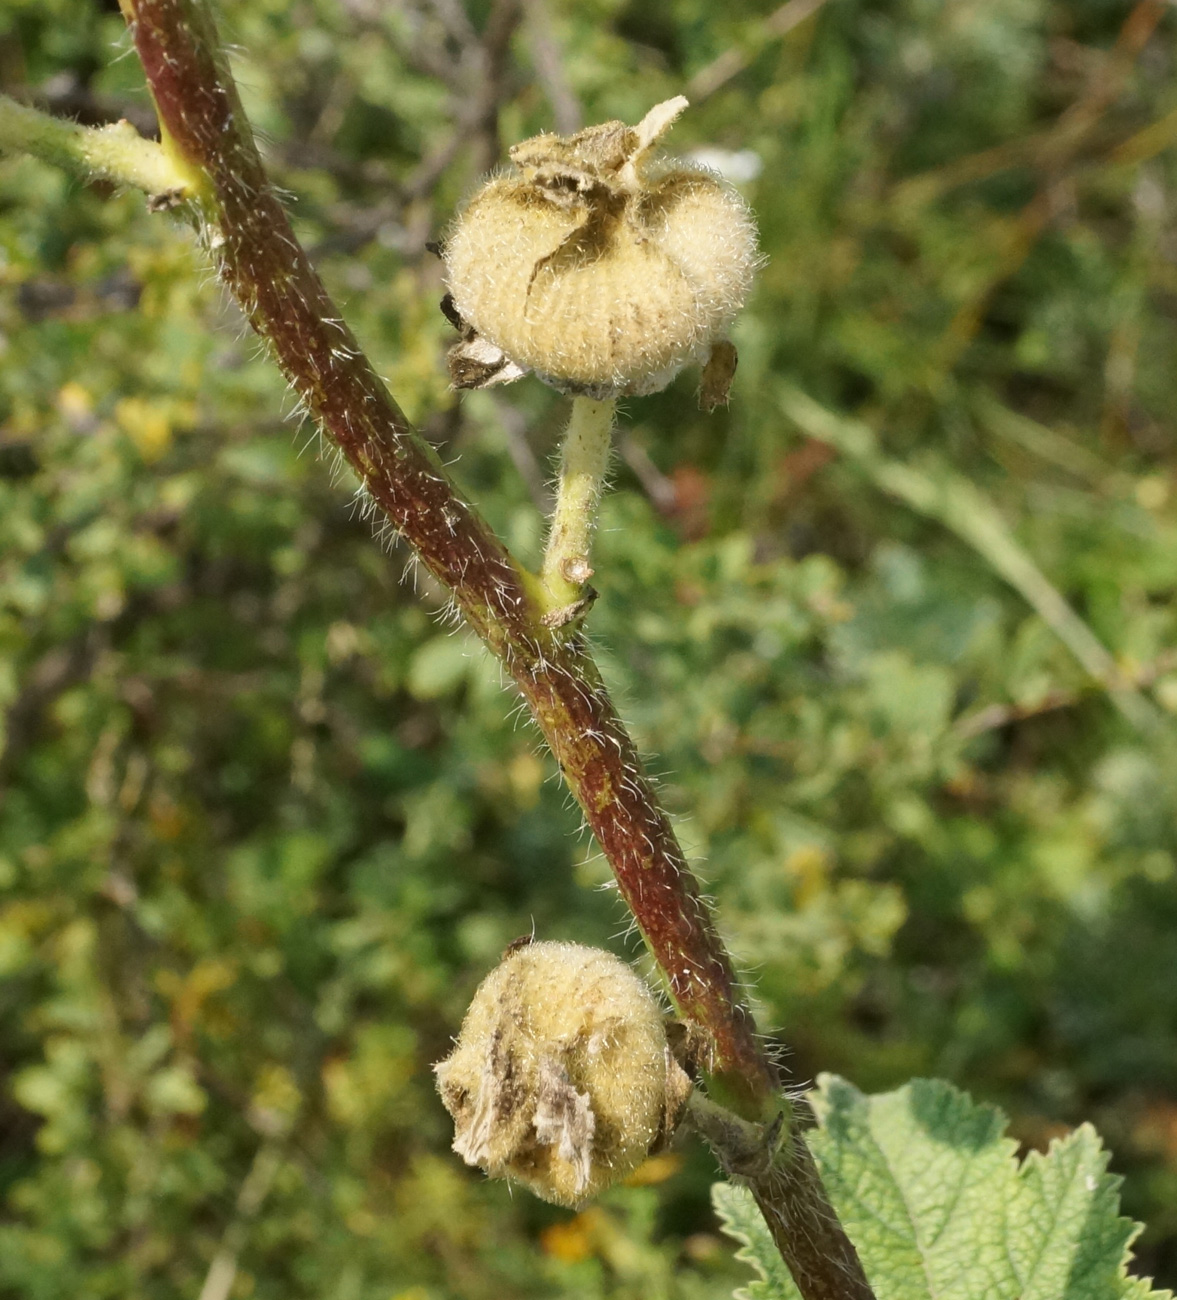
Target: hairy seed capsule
point(561, 1077)
point(598, 266)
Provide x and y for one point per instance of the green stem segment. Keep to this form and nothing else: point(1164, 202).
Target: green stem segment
point(115, 153)
point(584, 462)
point(266, 269)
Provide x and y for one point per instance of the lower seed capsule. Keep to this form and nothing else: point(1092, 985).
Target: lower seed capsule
point(561, 1077)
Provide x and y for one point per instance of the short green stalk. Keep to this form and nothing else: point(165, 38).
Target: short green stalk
point(583, 465)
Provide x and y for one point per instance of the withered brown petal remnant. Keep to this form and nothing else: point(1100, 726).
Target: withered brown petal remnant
point(599, 266)
point(562, 1077)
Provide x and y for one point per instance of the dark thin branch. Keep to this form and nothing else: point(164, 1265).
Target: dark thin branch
point(655, 484)
point(477, 120)
point(522, 457)
point(424, 53)
point(548, 60)
point(56, 671)
point(455, 20)
point(733, 61)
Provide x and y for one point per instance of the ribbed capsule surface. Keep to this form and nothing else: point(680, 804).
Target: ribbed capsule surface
point(600, 268)
point(561, 1077)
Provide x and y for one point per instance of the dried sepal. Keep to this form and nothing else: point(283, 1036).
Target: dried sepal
point(718, 374)
point(599, 266)
point(562, 1077)
point(477, 363)
point(474, 362)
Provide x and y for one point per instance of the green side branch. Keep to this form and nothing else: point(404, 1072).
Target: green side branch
point(116, 153)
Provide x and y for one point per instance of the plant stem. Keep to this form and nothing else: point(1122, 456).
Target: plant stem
point(267, 270)
point(264, 266)
point(777, 1166)
point(583, 464)
point(115, 153)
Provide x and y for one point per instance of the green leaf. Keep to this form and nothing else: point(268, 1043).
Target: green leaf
point(939, 1208)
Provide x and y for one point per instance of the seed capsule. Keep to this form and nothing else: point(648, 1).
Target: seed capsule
point(600, 267)
point(561, 1077)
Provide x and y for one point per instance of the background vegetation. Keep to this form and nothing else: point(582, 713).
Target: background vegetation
point(265, 822)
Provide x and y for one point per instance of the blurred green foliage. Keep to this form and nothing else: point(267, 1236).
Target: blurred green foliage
point(265, 822)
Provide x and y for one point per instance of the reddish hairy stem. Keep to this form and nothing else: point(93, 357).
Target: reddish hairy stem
point(268, 272)
point(812, 1242)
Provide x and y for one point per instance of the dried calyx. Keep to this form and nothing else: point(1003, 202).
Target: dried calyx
point(599, 266)
point(562, 1077)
